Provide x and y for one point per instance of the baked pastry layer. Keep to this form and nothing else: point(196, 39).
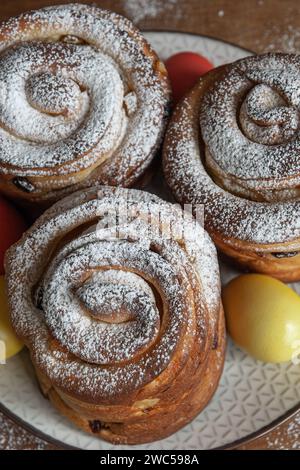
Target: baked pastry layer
point(84, 99)
point(232, 145)
point(117, 296)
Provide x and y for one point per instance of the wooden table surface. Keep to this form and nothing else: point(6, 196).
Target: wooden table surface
point(258, 25)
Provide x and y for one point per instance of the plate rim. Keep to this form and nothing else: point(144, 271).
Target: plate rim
point(160, 30)
point(230, 446)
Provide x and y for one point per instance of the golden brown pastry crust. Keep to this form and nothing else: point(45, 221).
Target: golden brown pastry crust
point(125, 327)
point(92, 99)
point(251, 221)
point(144, 421)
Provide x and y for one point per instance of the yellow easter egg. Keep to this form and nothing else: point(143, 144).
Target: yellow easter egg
point(263, 317)
point(9, 343)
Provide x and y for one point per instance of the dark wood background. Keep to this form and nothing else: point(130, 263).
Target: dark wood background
point(258, 25)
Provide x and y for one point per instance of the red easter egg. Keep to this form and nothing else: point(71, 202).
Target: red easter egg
point(12, 226)
point(184, 70)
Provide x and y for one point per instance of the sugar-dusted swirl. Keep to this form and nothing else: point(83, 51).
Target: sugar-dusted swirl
point(250, 123)
point(83, 98)
point(233, 144)
point(125, 315)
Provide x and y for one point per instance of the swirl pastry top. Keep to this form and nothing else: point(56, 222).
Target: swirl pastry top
point(250, 124)
point(83, 98)
point(109, 306)
point(234, 145)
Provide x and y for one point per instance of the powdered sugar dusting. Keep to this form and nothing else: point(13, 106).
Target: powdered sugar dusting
point(260, 147)
point(241, 164)
point(138, 10)
point(99, 295)
point(281, 438)
point(276, 38)
point(66, 72)
point(27, 129)
point(13, 437)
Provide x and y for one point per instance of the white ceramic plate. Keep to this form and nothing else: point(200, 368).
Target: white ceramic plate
point(250, 395)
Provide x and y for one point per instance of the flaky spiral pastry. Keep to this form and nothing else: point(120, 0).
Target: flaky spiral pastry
point(122, 317)
point(234, 145)
point(83, 99)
